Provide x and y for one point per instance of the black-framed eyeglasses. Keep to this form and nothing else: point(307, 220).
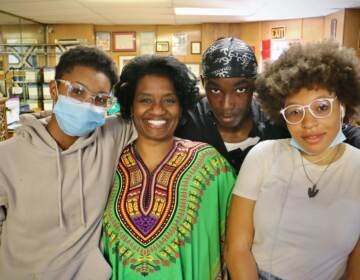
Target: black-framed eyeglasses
point(83, 94)
point(319, 108)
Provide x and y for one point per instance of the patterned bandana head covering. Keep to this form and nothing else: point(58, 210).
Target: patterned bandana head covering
point(227, 58)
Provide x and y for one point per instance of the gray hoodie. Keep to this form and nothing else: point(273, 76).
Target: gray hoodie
point(55, 201)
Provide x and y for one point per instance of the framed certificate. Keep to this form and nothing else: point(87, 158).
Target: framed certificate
point(162, 46)
point(124, 41)
point(195, 47)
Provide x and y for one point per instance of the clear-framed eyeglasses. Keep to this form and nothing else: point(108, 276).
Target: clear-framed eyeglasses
point(319, 108)
point(83, 94)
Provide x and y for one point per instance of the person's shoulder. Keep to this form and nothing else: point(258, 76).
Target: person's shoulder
point(196, 145)
point(5, 145)
point(353, 152)
point(9, 150)
point(270, 146)
point(115, 120)
point(116, 123)
point(199, 147)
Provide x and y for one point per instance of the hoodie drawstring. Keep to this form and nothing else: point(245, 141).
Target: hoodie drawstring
point(60, 179)
point(83, 222)
point(60, 186)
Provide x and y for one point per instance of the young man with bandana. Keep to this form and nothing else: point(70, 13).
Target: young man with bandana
point(229, 117)
point(55, 176)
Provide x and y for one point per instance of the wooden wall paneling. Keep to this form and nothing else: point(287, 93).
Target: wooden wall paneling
point(164, 33)
point(125, 28)
point(312, 29)
point(339, 16)
point(212, 31)
point(352, 29)
point(252, 32)
point(293, 28)
point(249, 32)
point(83, 32)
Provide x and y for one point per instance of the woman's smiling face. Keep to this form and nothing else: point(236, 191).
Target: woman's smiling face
point(156, 109)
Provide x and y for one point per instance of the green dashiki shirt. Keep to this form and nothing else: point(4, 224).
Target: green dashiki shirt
point(168, 224)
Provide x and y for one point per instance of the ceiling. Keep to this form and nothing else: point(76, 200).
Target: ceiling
point(117, 12)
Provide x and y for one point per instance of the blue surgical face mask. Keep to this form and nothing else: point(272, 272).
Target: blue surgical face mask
point(76, 118)
point(339, 138)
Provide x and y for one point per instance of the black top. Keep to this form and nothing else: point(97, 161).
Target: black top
point(199, 125)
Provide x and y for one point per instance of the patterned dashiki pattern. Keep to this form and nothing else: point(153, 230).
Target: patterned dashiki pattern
point(168, 224)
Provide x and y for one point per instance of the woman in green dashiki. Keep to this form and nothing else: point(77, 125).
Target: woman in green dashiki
point(166, 213)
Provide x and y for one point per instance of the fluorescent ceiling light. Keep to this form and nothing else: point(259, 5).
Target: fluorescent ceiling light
point(208, 12)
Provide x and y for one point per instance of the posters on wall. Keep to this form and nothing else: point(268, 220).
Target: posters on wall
point(179, 43)
point(147, 43)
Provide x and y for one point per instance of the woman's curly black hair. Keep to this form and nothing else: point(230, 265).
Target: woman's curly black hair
point(90, 57)
point(323, 64)
point(183, 80)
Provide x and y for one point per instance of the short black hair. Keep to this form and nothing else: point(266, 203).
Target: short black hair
point(323, 64)
point(183, 80)
point(87, 56)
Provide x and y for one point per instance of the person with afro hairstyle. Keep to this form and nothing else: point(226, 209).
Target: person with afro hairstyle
point(56, 173)
point(166, 213)
point(228, 117)
point(295, 211)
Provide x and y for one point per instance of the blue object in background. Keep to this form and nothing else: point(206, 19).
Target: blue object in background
point(114, 109)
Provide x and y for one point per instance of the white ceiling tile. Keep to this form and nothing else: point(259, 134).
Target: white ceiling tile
point(161, 11)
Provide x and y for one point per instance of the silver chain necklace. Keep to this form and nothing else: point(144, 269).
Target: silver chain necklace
point(313, 191)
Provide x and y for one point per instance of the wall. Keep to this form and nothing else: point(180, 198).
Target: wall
point(83, 32)
point(250, 32)
point(339, 33)
point(352, 29)
point(253, 33)
point(306, 30)
point(162, 33)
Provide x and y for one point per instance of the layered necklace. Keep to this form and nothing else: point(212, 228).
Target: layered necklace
point(313, 191)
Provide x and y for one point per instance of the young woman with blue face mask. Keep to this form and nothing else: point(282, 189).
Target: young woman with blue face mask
point(295, 210)
point(55, 176)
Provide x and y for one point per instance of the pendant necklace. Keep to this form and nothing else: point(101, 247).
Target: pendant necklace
point(313, 191)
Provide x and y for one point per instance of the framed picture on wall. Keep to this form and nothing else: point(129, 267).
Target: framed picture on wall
point(123, 60)
point(162, 46)
point(124, 41)
point(147, 42)
point(179, 43)
point(103, 40)
point(195, 47)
